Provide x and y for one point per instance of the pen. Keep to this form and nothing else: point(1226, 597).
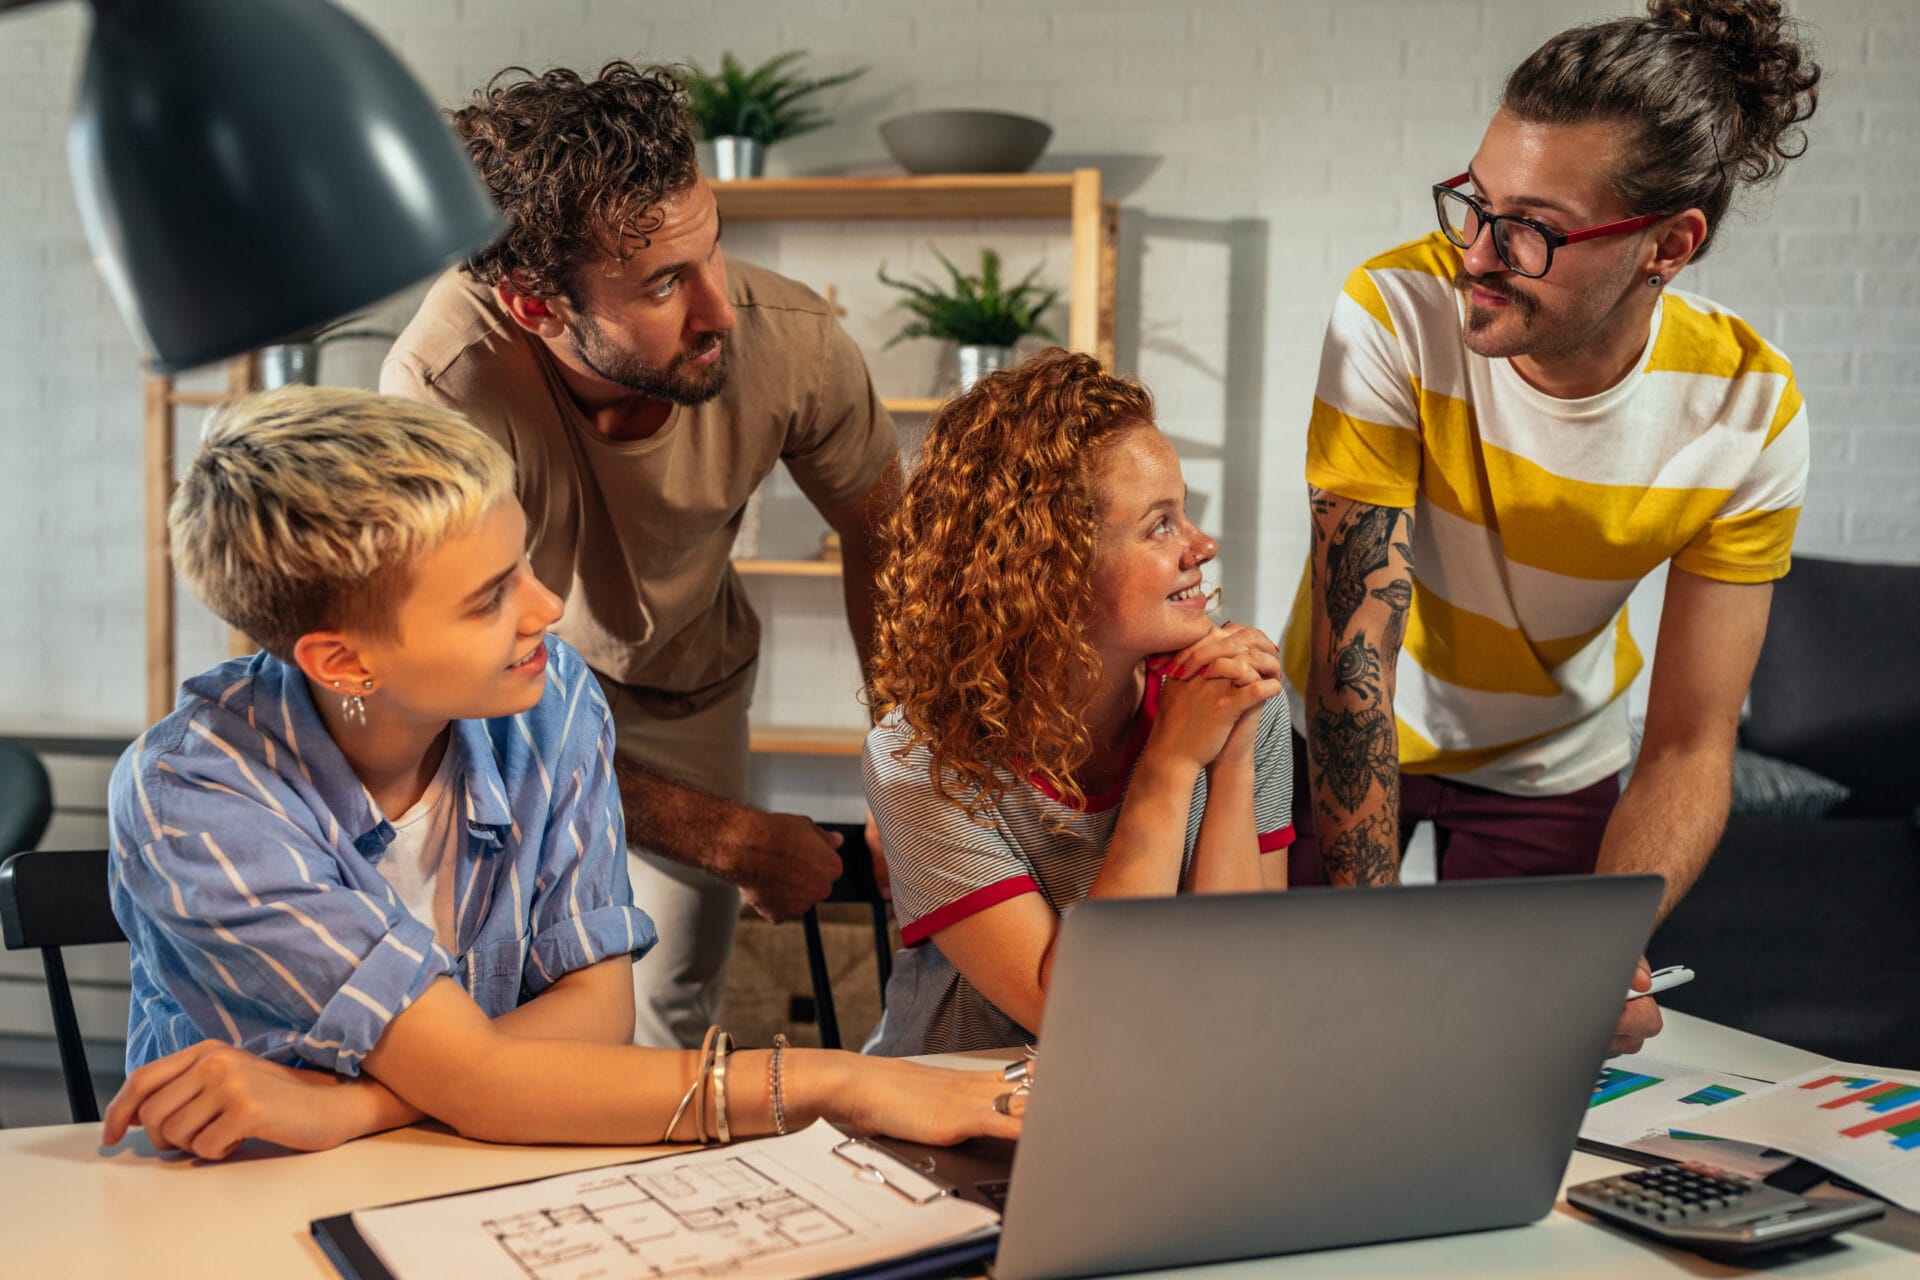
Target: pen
point(1664, 979)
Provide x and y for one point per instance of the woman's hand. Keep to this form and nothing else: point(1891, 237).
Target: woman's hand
point(1210, 706)
point(209, 1098)
point(1259, 654)
point(920, 1103)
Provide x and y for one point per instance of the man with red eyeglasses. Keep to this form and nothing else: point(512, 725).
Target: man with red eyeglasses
point(1518, 418)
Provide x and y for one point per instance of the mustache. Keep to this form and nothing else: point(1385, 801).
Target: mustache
point(719, 340)
point(1464, 280)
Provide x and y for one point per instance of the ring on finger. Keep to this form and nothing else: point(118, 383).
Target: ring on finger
point(1002, 1102)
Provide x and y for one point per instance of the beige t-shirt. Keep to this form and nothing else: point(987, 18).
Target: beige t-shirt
point(635, 536)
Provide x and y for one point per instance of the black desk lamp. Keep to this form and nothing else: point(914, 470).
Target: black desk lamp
point(249, 168)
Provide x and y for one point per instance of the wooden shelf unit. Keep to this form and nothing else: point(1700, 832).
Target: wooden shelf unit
point(162, 399)
point(804, 740)
point(787, 568)
point(1092, 223)
point(913, 404)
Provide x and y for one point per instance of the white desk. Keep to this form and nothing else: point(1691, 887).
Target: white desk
point(69, 1209)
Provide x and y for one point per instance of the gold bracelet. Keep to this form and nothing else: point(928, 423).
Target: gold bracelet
point(723, 1047)
point(694, 1090)
point(773, 1084)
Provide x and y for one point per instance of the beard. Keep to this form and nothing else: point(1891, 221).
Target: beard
point(676, 382)
point(1480, 319)
point(1568, 329)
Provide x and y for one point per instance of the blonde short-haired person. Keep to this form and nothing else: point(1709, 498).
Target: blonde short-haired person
point(376, 871)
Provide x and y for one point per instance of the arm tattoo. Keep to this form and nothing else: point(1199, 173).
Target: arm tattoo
point(1368, 851)
point(1353, 750)
point(1322, 506)
point(1357, 550)
point(1398, 597)
point(1356, 667)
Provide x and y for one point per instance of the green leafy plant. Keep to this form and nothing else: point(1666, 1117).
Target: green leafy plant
point(763, 104)
point(977, 310)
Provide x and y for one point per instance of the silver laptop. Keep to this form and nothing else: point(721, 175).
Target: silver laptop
point(1235, 1076)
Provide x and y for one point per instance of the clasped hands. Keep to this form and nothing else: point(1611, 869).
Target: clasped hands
point(1210, 705)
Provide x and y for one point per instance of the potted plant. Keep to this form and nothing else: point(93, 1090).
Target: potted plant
point(980, 314)
point(744, 112)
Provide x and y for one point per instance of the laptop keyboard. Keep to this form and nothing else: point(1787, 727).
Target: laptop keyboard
point(995, 1191)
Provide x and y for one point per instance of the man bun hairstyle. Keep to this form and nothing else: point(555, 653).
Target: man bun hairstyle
point(1715, 91)
point(579, 167)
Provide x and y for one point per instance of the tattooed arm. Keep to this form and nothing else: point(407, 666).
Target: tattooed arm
point(1362, 589)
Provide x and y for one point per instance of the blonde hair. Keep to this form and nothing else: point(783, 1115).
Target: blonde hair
point(306, 508)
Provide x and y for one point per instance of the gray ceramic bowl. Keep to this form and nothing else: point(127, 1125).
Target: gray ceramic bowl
point(965, 141)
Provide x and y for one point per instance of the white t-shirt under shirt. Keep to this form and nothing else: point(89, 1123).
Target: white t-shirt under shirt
point(419, 864)
point(945, 867)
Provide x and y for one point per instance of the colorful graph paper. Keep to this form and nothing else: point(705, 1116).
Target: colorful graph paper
point(1615, 1084)
point(1893, 1105)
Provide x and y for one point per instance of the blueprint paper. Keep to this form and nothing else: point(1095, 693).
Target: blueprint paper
point(776, 1209)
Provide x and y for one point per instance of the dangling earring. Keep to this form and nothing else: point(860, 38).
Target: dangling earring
point(353, 707)
point(1653, 282)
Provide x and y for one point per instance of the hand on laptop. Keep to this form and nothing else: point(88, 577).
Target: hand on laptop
point(1639, 1019)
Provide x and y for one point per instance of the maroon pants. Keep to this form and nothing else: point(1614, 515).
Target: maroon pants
point(1477, 834)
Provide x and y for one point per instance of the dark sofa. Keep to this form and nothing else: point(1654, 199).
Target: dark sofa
point(1807, 928)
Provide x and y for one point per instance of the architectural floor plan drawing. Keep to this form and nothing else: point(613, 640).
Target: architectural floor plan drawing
point(705, 1220)
point(772, 1209)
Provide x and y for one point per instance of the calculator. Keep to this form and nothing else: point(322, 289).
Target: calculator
point(1713, 1212)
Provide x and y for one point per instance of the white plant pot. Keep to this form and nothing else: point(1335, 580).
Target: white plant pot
point(735, 158)
point(972, 363)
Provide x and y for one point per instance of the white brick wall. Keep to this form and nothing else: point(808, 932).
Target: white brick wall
point(1266, 146)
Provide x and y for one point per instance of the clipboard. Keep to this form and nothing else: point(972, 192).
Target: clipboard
point(354, 1257)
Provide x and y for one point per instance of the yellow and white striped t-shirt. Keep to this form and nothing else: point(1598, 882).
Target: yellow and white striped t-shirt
point(1534, 517)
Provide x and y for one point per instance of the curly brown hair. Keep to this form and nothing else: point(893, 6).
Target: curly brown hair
point(579, 167)
point(985, 591)
point(1715, 91)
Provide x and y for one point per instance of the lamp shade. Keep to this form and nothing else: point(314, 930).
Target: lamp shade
point(246, 169)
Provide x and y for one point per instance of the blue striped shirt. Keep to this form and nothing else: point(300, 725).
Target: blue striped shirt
point(246, 868)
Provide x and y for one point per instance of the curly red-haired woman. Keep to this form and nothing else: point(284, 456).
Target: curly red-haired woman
point(1060, 719)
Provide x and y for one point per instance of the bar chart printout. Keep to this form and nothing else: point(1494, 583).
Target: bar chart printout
point(1615, 1084)
point(1894, 1107)
point(1861, 1122)
point(1637, 1095)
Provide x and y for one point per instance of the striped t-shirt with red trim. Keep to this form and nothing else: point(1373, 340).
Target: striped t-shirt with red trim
point(945, 867)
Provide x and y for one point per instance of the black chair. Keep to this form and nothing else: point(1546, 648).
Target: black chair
point(51, 899)
point(26, 798)
point(857, 883)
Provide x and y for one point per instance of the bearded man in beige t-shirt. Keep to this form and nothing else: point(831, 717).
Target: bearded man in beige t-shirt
point(645, 387)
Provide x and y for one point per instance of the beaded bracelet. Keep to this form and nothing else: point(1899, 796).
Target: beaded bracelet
point(773, 1085)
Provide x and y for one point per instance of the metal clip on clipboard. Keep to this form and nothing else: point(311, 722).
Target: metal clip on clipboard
point(864, 1157)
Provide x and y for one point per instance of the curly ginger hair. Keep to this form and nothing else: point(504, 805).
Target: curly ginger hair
point(985, 593)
